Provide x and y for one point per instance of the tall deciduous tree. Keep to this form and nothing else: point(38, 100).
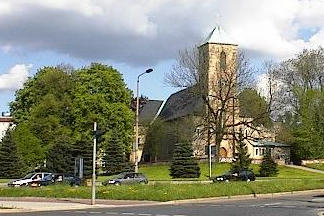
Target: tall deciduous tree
point(55, 111)
point(302, 97)
point(101, 96)
point(222, 99)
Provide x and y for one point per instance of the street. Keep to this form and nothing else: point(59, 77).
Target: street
point(293, 205)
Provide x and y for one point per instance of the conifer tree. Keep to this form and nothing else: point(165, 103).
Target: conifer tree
point(114, 157)
point(243, 159)
point(183, 164)
point(268, 166)
point(11, 165)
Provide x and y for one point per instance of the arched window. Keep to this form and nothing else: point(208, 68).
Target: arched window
point(223, 61)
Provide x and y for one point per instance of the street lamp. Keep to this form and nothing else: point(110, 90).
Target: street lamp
point(137, 111)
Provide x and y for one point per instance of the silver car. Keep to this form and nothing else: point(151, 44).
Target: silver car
point(127, 178)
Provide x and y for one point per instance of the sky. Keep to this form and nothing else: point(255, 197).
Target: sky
point(133, 35)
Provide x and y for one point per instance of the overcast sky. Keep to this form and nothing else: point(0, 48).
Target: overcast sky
point(132, 35)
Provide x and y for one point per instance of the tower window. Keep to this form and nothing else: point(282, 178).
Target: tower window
point(223, 61)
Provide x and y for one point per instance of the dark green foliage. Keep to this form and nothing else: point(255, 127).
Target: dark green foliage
point(268, 167)
point(55, 111)
point(11, 165)
point(252, 105)
point(59, 158)
point(184, 164)
point(161, 136)
point(243, 160)
point(114, 157)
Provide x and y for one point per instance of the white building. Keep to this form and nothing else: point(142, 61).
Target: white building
point(5, 122)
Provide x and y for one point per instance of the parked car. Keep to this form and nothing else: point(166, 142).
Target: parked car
point(57, 179)
point(242, 175)
point(31, 177)
point(127, 178)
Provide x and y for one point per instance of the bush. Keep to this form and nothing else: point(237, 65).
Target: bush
point(268, 167)
point(183, 164)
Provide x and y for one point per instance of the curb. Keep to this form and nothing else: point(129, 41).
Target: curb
point(244, 197)
point(174, 202)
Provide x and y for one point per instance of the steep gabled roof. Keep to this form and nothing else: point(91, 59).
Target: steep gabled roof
point(219, 36)
point(265, 143)
point(149, 111)
point(182, 103)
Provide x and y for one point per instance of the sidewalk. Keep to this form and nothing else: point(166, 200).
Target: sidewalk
point(26, 204)
point(306, 168)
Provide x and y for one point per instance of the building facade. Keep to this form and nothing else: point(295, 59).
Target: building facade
point(218, 57)
point(5, 122)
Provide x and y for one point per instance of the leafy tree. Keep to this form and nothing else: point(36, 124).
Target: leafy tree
point(242, 159)
point(60, 155)
point(252, 105)
point(100, 95)
point(268, 167)
point(183, 164)
point(55, 111)
point(114, 155)
point(11, 165)
point(220, 95)
point(301, 96)
point(28, 146)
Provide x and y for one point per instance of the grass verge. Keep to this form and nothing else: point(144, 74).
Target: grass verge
point(161, 172)
point(318, 166)
point(167, 192)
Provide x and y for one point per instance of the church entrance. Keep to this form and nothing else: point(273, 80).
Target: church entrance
point(222, 152)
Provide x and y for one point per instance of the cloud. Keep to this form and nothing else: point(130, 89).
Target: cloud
point(15, 77)
point(142, 32)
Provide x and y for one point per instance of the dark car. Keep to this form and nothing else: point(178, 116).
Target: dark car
point(56, 179)
point(127, 178)
point(242, 175)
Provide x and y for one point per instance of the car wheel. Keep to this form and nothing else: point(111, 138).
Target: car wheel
point(117, 183)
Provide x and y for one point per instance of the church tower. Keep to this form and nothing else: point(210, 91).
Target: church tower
point(217, 70)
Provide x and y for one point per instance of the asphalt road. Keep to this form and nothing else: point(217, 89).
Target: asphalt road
point(294, 205)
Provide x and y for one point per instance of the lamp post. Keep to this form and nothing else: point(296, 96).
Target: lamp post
point(136, 115)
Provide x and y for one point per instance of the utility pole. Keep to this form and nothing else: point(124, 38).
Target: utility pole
point(93, 189)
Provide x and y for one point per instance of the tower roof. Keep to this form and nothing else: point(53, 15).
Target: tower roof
point(218, 35)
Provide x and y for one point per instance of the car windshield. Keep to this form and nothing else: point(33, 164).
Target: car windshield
point(120, 176)
point(28, 176)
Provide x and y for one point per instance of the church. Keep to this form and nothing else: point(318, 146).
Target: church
point(183, 111)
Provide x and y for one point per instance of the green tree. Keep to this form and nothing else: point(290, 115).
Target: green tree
point(268, 167)
point(184, 164)
point(55, 111)
point(252, 105)
point(114, 155)
point(11, 165)
point(242, 160)
point(28, 146)
point(100, 95)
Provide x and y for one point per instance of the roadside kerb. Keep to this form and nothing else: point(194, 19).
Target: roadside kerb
point(73, 204)
point(243, 197)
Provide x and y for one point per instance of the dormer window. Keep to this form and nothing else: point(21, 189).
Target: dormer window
point(223, 61)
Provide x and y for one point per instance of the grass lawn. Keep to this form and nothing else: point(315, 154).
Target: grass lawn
point(4, 180)
point(319, 166)
point(161, 172)
point(166, 192)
